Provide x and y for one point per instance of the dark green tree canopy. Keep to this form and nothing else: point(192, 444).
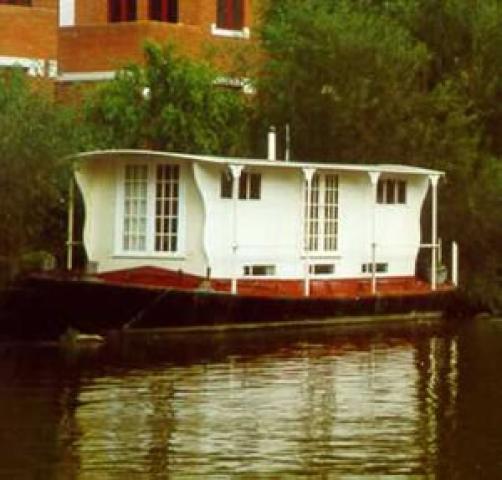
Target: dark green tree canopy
point(403, 81)
point(36, 137)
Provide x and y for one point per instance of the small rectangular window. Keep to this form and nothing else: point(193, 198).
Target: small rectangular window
point(380, 268)
point(250, 186)
point(401, 191)
point(226, 184)
point(322, 269)
point(390, 194)
point(391, 191)
point(243, 183)
point(259, 270)
point(255, 186)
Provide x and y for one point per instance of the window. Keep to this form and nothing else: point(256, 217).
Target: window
point(24, 3)
point(322, 269)
point(135, 208)
point(230, 14)
point(166, 208)
point(158, 231)
point(391, 191)
point(122, 10)
point(164, 10)
point(226, 185)
point(249, 186)
point(380, 268)
point(321, 214)
point(259, 270)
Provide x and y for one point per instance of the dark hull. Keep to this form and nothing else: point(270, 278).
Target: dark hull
point(44, 308)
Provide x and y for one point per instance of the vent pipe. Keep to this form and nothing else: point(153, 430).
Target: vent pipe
point(272, 144)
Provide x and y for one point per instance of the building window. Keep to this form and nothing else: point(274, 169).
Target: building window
point(391, 191)
point(164, 10)
point(23, 3)
point(135, 208)
point(380, 267)
point(230, 14)
point(321, 214)
point(122, 10)
point(259, 270)
point(167, 208)
point(249, 186)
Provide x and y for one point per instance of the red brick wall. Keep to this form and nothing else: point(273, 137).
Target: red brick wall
point(192, 12)
point(28, 31)
point(50, 4)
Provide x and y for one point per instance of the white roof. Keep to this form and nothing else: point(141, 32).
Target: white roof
point(346, 167)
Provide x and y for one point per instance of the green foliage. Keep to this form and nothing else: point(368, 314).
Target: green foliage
point(169, 104)
point(35, 138)
point(409, 81)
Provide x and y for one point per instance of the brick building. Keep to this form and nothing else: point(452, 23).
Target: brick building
point(29, 33)
point(98, 36)
point(75, 41)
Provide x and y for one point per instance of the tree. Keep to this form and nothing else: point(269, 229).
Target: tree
point(171, 103)
point(36, 138)
point(409, 81)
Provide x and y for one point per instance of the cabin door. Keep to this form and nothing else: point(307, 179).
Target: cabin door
point(321, 214)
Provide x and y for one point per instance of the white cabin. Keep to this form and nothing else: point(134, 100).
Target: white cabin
point(235, 218)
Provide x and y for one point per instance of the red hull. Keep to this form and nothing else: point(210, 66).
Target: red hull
point(345, 288)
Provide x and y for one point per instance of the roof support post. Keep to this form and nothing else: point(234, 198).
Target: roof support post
point(434, 222)
point(308, 174)
point(235, 171)
point(71, 216)
point(374, 176)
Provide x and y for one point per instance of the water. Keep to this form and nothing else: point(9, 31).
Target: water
point(299, 404)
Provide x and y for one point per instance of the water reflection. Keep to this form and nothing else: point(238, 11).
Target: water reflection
point(312, 403)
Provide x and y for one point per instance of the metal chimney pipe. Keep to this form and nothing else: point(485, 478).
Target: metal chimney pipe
point(272, 144)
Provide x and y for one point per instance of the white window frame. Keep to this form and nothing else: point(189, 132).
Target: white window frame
point(150, 251)
point(244, 33)
point(320, 251)
point(384, 182)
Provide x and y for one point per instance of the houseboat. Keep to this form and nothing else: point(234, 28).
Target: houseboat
point(259, 227)
point(189, 242)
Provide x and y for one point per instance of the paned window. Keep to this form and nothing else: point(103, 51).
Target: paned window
point(151, 209)
point(135, 208)
point(122, 10)
point(249, 186)
point(391, 191)
point(167, 208)
point(164, 10)
point(230, 14)
point(321, 214)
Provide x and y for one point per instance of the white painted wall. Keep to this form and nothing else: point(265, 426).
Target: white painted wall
point(99, 181)
point(269, 230)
